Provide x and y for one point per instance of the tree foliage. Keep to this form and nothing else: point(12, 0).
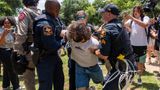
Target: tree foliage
point(70, 7)
point(9, 7)
point(4, 8)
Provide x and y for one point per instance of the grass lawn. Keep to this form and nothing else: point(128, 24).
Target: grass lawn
point(149, 80)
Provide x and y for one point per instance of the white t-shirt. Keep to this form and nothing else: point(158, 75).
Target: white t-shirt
point(138, 35)
point(81, 53)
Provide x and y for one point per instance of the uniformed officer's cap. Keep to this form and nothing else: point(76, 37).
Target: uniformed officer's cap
point(110, 8)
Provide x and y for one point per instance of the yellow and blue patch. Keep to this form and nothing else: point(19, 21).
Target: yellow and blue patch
point(47, 30)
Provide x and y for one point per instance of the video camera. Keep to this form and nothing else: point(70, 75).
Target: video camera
point(149, 5)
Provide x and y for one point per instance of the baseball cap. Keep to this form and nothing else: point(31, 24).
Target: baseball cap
point(110, 8)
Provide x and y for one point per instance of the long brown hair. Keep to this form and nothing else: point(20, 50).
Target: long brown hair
point(10, 19)
point(78, 32)
point(140, 10)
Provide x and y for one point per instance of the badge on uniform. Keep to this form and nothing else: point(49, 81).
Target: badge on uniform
point(47, 30)
point(21, 16)
point(103, 41)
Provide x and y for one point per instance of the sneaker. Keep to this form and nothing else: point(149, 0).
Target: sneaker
point(92, 88)
point(139, 81)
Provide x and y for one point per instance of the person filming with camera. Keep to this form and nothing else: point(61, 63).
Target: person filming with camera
point(137, 25)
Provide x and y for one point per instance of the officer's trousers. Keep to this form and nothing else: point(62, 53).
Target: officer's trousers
point(112, 85)
point(50, 72)
point(29, 75)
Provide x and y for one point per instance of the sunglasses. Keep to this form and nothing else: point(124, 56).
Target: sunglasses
point(80, 17)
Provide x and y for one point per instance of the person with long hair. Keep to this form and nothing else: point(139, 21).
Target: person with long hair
point(7, 37)
point(138, 23)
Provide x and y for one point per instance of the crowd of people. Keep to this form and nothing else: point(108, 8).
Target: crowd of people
point(35, 40)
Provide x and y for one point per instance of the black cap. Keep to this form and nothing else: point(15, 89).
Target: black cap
point(110, 8)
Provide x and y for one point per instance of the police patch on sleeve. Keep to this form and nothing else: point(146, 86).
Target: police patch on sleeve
point(47, 30)
point(103, 34)
point(103, 41)
point(21, 16)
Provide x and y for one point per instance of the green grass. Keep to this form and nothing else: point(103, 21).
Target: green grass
point(149, 80)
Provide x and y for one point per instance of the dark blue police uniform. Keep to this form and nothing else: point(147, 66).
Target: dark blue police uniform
point(47, 38)
point(116, 45)
point(115, 42)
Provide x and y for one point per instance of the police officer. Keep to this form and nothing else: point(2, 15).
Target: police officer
point(115, 41)
point(47, 36)
point(24, 39)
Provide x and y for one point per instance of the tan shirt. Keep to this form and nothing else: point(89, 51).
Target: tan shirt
point(25, 22)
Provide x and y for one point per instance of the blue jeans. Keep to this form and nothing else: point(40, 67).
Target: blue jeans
point(9, 74)
point(84, 74)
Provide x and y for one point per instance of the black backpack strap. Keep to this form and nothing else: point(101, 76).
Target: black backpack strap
point(147, 33)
